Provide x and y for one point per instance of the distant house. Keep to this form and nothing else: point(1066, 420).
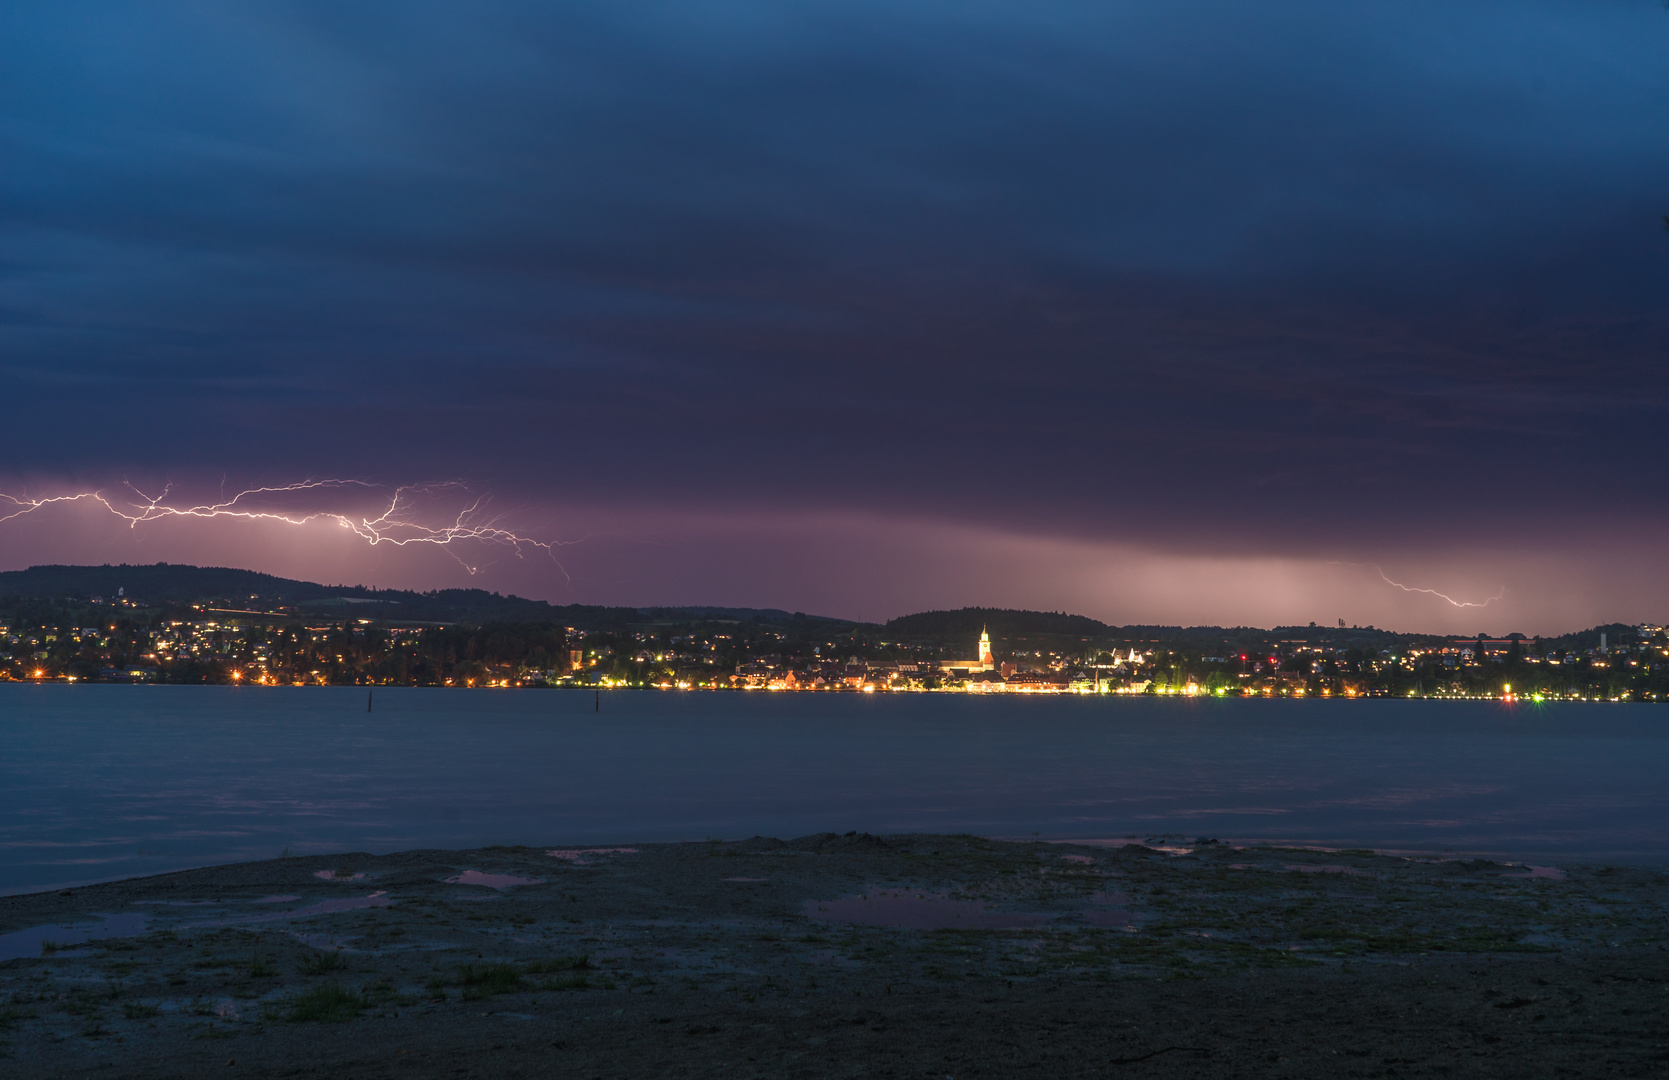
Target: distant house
point(1038, 681)
point(127, 674)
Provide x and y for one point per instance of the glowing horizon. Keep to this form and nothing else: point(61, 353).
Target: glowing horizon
point(792, 561)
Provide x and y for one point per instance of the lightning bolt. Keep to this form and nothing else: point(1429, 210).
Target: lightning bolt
point(1441, 596)
point(395, 520)
point(1415, 589)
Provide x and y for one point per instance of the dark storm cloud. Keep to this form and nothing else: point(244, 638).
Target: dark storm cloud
point(1339, 269)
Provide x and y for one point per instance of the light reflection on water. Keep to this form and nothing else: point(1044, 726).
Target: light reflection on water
point(101, 781)
point(916, 910)
point(1111, 910)
point(37, 939)
point(491, 881)
point(380, 898)
point(589, 856)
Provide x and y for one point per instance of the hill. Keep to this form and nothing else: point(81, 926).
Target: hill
point(1012, 628)
point(164, 584)
point(964, 625)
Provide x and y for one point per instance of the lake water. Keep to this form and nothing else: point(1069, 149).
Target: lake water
point(99, 781)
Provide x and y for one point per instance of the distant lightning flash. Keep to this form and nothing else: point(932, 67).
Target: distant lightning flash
point(1441, 596)
point(1415, 589)
point(395, 522)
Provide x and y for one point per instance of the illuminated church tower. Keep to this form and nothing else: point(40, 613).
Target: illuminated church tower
point(987, 660)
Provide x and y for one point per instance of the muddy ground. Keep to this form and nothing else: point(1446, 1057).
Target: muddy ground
point(844, 956)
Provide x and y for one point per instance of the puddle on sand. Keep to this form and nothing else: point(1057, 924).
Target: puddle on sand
point(1304, 868)
point(1110, 911)
point(380, 898)
point(1078, 858)
point(919, 911)
point(279, 899)
point(937, 911)
point(332, 875)
point(25, 943)
point(1547, 873)
point(581, 856)
point(491, 881)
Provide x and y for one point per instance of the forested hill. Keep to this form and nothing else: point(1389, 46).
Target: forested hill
point(963, 626)
point(162, 584)
point(1012, 629)
point(167, 585)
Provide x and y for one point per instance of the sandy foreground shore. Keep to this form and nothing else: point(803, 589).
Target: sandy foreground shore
point(844, 956)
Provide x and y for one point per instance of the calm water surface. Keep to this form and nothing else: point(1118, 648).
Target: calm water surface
point(98, 782)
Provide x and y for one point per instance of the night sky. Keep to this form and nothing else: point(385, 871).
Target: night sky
point(1196, 312)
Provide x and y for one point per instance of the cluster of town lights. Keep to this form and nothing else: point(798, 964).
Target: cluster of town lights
point(210, 645)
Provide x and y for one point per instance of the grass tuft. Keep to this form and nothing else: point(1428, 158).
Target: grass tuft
point(330, 1003)
point(323, 963)
point(485, 980)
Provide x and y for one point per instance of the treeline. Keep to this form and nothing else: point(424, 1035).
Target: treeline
point(963, 626)
point(171, 586)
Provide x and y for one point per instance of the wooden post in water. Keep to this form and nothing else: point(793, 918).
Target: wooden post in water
point(368, 696)
point(599, 705)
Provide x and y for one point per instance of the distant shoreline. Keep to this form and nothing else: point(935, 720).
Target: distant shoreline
point(193, 625)
point(1027, 692)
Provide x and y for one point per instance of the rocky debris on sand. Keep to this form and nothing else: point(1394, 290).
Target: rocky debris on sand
point(716, 958)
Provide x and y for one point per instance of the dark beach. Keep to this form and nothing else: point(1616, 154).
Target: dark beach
point(968, 957)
